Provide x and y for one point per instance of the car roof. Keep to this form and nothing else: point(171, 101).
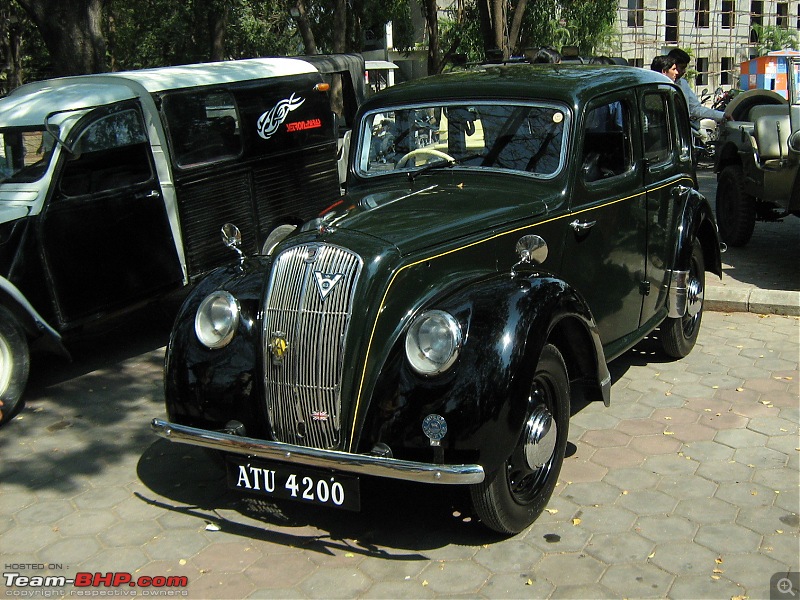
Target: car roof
point(29, 105)
point(571, 83)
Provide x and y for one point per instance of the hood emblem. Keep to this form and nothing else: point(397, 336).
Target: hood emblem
point(326, 282)
point(320, 415)
point(278, 347)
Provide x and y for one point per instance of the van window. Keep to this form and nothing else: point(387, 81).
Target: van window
point(110, 153)
point(203, 127)
point(24, 154)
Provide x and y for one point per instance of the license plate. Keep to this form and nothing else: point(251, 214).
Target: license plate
point(290, 482)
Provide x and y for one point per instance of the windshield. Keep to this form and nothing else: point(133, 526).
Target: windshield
point(795, 77)
point(24, 154)
point(526, 138)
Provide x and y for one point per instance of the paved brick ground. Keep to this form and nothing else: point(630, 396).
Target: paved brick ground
point(686, 487)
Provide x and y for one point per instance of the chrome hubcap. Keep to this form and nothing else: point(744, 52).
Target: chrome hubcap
point(540, 438)
point(694, 297)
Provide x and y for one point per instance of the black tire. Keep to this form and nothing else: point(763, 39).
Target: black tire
point(14, 365)
point(510, 499)
point(736, 209)
point(678, 335)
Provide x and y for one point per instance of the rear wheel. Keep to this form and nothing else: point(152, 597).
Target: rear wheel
point(511, 498)
point(736, 209)
point(678, 335)
point(14, 365)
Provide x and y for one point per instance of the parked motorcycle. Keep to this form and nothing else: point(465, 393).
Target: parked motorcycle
point(705, 134)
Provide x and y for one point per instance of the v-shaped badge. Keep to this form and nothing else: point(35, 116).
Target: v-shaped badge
point(326, 282)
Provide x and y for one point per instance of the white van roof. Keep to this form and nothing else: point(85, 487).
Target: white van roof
point(30, 104)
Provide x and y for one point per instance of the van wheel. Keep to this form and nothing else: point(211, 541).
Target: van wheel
point(14, 365)
point(511, 498)
point(678, 335)
point(736, 209)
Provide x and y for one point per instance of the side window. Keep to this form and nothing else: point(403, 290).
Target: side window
point(203, 127)
point(111, 152)
point(656, 128)
point(606, 141)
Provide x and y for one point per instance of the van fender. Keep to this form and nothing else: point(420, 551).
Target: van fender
point(35, 326)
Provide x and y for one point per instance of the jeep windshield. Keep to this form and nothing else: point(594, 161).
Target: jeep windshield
point(24, 154)
point(521, 137)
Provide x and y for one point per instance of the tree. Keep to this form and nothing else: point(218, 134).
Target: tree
point(72, 32)
point(773, 38)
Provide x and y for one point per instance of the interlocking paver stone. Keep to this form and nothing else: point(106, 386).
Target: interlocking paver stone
point(726, 536)
point(665, 528)
point(96, 492)
point(684, 558)
point(640, 580)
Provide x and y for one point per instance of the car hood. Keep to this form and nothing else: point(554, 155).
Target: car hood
point(416, 217)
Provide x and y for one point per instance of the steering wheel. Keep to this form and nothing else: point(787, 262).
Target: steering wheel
point(422, 151)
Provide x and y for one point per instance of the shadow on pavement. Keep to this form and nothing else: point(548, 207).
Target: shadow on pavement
point(394, 514)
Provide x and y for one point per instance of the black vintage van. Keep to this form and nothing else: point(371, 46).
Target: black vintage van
point(113, 187)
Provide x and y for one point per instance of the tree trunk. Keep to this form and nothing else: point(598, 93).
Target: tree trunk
point(217, 25)
point(339, 46)
point(305, 28)
point(72, 32)
point(432, 26)
point(499, 22)
point(516, 24)
point(487, 31)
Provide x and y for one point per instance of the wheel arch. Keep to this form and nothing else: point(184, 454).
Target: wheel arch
point(697, 221)
point(33, 324)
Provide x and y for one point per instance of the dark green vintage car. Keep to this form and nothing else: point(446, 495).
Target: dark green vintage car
point(505, 233)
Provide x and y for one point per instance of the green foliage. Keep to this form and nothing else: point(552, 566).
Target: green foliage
point(588, 24)
point(772, 38)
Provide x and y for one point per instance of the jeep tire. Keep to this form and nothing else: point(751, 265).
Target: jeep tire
point(736, 209)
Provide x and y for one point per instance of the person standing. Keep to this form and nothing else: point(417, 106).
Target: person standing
point(696, 109)
point(665, 65)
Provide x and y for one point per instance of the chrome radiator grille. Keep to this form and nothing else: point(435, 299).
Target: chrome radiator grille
point(306, 314)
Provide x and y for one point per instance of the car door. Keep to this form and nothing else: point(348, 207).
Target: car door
point(104, 232)
point(604, 245)
point(667, 151)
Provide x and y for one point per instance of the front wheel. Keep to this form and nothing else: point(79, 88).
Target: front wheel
point(679, 335)
point(511, 498)
point(14, 365)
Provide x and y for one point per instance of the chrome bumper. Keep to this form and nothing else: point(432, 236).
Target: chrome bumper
point(361, 464)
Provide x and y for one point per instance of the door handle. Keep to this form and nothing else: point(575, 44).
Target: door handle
point(582, 226)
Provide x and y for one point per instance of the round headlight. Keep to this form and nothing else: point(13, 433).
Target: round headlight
point(433, 342)
point(216, 320)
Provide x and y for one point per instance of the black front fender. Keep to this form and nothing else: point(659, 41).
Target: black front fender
point(483, 398)
point(697, 221)
point(206, 387)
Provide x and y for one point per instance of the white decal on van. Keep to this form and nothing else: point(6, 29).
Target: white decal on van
point(269, 122)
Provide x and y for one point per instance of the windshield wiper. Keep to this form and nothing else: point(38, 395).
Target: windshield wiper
point(439, 164)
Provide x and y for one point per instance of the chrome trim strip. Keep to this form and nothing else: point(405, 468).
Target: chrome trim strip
point(677, 297)
point(361, 464)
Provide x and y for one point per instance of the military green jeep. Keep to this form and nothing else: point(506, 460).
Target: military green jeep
point(758, 160)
